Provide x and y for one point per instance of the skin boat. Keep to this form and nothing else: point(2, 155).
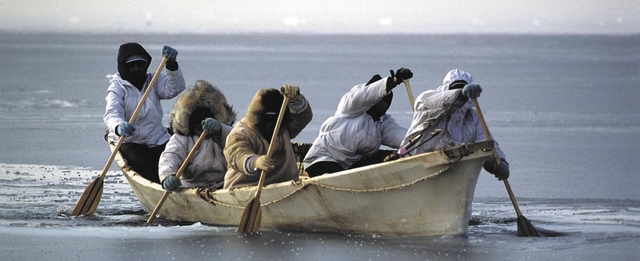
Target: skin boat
point(422, 195)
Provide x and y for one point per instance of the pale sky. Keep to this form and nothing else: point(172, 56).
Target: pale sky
point(331, 16)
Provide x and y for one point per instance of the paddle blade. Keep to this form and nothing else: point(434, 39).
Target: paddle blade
point(90, 199)
point(257, 222)
point(251, 217)
point(96, 201)
point(525, 228)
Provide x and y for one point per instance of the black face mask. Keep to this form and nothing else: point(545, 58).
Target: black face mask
point(376, 111)
point(196, 118)
point(459, 84)
point(137, 78)
point(137, 68)
point(271, 102)
point(267, 124)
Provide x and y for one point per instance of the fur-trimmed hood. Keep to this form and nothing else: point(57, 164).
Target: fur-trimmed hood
point(264, 110)
point(202, 95)
point(248, 138)
point(265, 100)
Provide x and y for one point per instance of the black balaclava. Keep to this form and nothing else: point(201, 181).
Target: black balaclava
point(271, 102)
point(127, 50)
point(376, 111)
point(459, 84)
point(373, 79)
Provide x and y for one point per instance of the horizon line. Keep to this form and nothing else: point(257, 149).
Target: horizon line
point(81, 32)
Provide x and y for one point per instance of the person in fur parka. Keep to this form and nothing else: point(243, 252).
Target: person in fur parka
point(200, 107)
point(249, 140)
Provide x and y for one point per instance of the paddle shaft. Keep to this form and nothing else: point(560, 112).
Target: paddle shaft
point(89, 196)
point(178, 174)
point(252, 214)
point(495, 155)
point(274, 136)
point(411, 100)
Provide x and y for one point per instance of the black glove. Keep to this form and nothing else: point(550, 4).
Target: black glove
point(402, 74)
point(500, 171)
point(398, 78)
point(171, 183)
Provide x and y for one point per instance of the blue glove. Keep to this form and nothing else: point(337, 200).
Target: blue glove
point(212, 126)
point(125, 129)
point(169, 52)
point(500, 171)
point(171, 183)
point(472, 90)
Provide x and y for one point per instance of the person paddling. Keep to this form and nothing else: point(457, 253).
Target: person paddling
point(202, 107)
point(449, 113)
point(353, 135)
point(146, 138)
point(250, 139)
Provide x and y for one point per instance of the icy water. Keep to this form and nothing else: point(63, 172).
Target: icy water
point(564, 109)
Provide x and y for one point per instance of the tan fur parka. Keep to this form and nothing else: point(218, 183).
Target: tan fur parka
point(245, 142)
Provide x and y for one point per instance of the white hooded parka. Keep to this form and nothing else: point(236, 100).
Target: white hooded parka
point(351, 134)
point(441, 109)
point(123, 98)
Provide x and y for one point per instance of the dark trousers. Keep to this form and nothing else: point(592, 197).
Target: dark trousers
point(376, 158)
point(143, 159)
point(319, 168)
point(322, 167)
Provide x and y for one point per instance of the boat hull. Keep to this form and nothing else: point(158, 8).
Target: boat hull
point(423, 195)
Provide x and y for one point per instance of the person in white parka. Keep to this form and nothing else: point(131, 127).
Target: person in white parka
point(449, 108)
point(353, 135)
point(146, 137)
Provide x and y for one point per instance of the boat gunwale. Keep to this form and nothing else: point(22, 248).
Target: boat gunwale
point(448, 156)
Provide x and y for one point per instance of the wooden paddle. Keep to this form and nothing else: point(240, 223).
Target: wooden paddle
point(252, 215)
point(90, 199)
point(525, 228)
point(178, 174)
point(411, 100)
